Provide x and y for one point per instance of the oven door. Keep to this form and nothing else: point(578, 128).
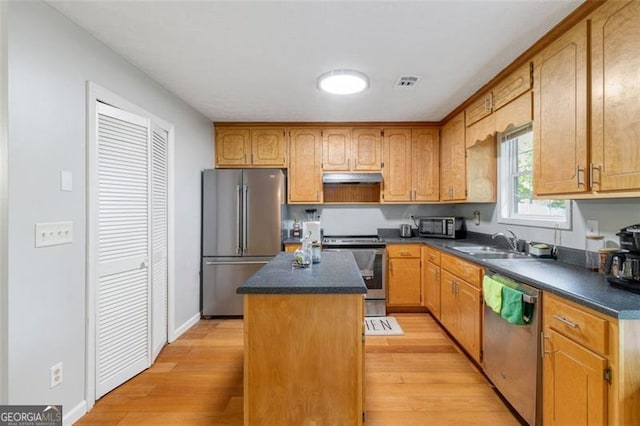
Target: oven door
point(370, 262)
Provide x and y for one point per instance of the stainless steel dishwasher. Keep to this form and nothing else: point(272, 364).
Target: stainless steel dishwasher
point(511, 356)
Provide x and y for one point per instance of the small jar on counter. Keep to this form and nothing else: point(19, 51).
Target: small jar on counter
point(315, 252)
point(592, 246)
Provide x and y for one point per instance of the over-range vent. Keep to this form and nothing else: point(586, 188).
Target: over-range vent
point(407, 81)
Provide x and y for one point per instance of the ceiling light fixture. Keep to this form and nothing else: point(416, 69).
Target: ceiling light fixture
point(343, 82)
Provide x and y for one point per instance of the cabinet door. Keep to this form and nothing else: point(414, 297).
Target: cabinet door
point(512, 86)
point(452, 160)
point(469, 318)
point(397, 165)
point(305, 175)
point(575, 391)
point(268, 147)
point(336, 149)
point(448, 305)
point(426, 164)
point(233, 147)
point(366, 150)
point(479, 109)
point(615, 85)
point(560, 115)
point(431, 287)
point(404, 286)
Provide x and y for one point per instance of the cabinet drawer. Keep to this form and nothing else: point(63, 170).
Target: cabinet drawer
point(462, 269)
point(432, 255)
point(403, 250)
point(577, 324)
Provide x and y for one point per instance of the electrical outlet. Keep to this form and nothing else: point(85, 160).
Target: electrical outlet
point(592, 227)
point(56, 375)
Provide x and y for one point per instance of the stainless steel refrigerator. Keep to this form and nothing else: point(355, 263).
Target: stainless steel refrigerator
point(241, 231)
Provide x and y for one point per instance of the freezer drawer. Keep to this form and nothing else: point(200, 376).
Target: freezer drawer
point(220, 279)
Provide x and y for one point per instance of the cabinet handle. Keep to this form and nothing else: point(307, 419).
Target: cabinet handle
point(578, 171)
point(438, 275)
point(565, 321)
point(592, 180)
point(348, 163)
point(405, 253)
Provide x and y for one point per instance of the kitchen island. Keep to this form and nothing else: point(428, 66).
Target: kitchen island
point(304, 342)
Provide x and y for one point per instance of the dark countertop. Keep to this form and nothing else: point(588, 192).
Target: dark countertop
point(569, 281)
point(337, 273)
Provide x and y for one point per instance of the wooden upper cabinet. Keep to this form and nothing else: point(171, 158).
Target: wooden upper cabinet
point(505, 91)
point(336, 149)
point(366, 149)
point(268, 147)
point(615, 94)
point(479, 109)
point(358, 150)
point(512, 86)
point(397, 165)
point(452, 160)
point(425, 153)
point(233, 147)
point(560, 114)
point(305, 173)
point(250, 147)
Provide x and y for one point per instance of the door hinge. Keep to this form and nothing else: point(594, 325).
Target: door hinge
point(382, 165)
point(363, 417)
point(363, 337)
point(382, 132)
point(607, 374)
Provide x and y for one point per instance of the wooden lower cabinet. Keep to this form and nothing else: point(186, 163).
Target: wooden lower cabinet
point(292, 246)
point(404, 285)
point(431, 280)
point(303, 359)
point(591, 373)
point(575, 391)
point(461, 302)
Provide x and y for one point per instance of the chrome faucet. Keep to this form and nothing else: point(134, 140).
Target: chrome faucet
point(512, 241)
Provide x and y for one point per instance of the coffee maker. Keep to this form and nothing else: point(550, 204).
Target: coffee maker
point(623, 267)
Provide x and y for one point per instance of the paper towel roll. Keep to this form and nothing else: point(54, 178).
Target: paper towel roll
point(313, 227)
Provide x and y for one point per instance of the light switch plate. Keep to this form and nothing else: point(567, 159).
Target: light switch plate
point(53, 233)
point(66, 180)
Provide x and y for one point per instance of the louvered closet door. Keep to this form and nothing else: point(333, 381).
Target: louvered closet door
point(123, 288)
point(159, 231)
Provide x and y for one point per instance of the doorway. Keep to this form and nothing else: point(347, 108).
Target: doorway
point(128, 239)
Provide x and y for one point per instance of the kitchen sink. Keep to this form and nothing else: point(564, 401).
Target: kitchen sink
point(487, 252)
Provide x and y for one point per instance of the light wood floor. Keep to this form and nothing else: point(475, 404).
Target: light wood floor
point(420, 378)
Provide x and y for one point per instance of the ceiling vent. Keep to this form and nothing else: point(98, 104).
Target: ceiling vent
point(407, 81)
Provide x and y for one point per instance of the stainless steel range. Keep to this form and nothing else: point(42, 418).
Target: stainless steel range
point(369, 252)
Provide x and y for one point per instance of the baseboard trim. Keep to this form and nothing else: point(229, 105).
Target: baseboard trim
point(74, 414)
point(186, 326)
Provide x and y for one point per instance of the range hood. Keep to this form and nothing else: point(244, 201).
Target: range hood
point(352, 178)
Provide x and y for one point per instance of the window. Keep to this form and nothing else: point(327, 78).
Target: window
point(516, 200)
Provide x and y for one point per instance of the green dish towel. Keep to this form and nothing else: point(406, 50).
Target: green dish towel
point(492, 291)
point(514, 310)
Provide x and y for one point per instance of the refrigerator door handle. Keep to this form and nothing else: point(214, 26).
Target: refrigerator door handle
point(242, 262)
point(245, 219)
point(238, 210)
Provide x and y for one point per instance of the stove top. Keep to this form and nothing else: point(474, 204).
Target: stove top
point(336, 240)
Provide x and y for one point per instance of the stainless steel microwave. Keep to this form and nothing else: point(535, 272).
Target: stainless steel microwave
point(441, 227)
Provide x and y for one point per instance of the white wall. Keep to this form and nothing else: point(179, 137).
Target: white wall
point(611, 214)
point(3, 203)
point(50, 60)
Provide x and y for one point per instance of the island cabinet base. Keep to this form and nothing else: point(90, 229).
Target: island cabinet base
point(303, 359)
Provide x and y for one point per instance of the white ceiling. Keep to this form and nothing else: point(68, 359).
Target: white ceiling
point(259, 60)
